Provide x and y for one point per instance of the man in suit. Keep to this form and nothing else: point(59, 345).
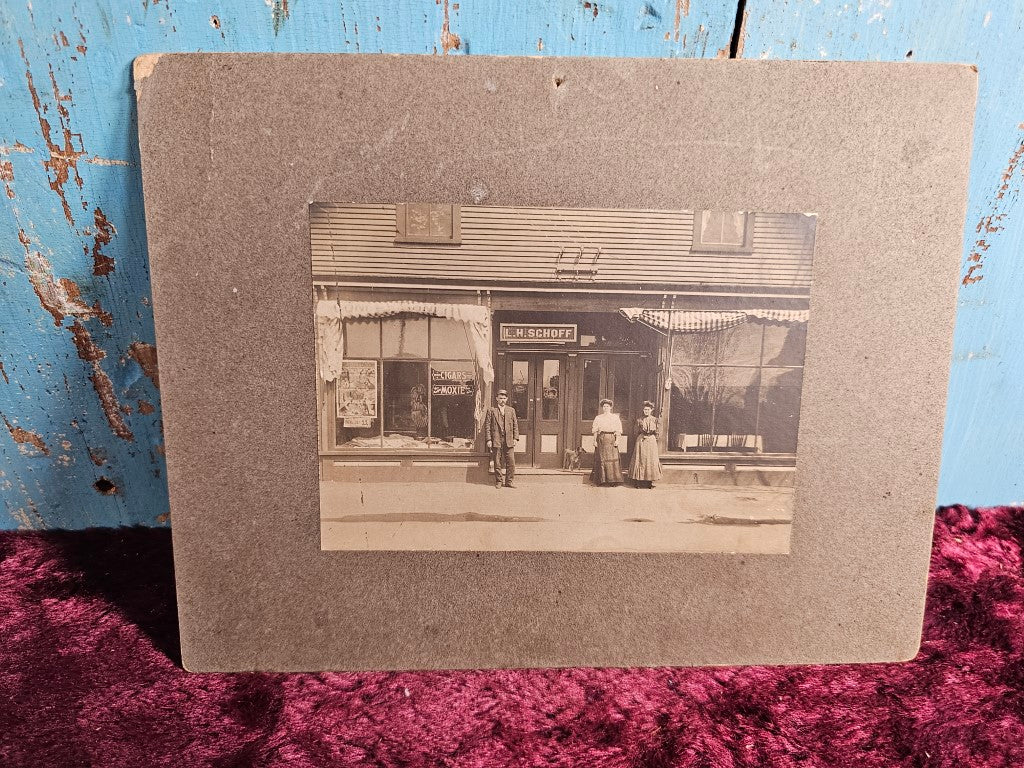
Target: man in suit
point(501, 428)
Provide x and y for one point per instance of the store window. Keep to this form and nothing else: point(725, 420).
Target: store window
point(730, 231)
point(736, 390)
point(407, 383)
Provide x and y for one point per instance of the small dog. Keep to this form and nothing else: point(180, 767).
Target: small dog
point(571, 460)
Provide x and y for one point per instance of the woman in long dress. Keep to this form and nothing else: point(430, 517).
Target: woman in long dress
point(607, 431)
point(645, 467)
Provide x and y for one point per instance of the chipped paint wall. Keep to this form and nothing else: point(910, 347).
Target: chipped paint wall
point(80, 440)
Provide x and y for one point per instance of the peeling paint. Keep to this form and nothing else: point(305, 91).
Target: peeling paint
point(146, 407)
point(682, 9)
point(24, 437)
point(6, 149)
point(94, 160)
point(279, 13)
point(741, 36)
point(7, 176)
point(4, 373)
point(92, 354)
point(63, 160)
point(105, 231)
point(60, 297)
point(145, 355)
point(993, 222)
point(449, 40)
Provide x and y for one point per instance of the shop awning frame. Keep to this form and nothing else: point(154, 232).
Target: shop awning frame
point(705, 321)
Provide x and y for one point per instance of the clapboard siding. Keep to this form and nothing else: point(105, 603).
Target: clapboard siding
point(523, 245)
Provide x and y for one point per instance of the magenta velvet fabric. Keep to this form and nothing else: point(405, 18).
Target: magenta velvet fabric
point(88, 678)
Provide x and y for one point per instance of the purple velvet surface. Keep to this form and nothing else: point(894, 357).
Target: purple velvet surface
point(88, 677)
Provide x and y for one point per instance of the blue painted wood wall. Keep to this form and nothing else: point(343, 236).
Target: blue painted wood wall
point(80, 432)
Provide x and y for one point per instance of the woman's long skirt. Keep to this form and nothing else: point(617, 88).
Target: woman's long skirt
point(606, 461)
point(646, 464)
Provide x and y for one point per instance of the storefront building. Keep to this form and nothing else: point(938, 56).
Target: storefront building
point(424, 310)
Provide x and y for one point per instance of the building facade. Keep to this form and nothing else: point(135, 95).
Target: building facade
point(424, 310)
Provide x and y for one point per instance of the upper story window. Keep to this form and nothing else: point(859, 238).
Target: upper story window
point(729, 231)
point(428, 223)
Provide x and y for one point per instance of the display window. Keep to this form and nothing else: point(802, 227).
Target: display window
point(736, 390)
point(407, 383)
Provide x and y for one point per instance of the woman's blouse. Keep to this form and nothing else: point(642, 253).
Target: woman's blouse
point(647, 425)
point(608, 422)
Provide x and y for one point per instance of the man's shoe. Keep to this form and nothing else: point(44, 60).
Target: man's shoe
point(510, 485)
point(497, 485)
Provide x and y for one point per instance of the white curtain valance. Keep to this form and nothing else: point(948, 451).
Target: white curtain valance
point(685, 320)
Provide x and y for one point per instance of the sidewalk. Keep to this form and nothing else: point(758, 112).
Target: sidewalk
point(541, 516)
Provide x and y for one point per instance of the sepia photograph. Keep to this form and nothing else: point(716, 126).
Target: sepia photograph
point(542, 379)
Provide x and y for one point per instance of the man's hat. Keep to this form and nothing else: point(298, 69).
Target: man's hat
point(501, 392)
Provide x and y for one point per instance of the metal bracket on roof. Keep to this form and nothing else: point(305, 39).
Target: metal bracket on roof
point(576, 272)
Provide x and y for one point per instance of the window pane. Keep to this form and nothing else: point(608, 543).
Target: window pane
point(618, 387)
point(440, 221)
point(740, 345)
point(405, 337)
point(417, 220)
point(711, 227)
point(780, 408)
point(735, 396)
point(591, 388)
point(362, 338)
point(551, 384)
point(453, 388)
point(519, 389)
point(690, 407)
point(784, 344)
point(450, 339)
point(694, 348)
point(723, 227)
point(405, 404)
point(357, 405)
point(733, 227)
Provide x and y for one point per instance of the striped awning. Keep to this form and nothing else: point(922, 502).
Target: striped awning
point(685, 320)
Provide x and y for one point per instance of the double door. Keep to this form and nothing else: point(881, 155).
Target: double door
point(536, 389)
point(557, 396)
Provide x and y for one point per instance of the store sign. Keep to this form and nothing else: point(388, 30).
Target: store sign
point(538, 333)
point(451, 382)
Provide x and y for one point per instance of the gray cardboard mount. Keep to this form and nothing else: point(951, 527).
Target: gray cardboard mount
point(235, 147)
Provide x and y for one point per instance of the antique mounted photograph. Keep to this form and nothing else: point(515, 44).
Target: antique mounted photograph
point(511, 378)
point(645, 255)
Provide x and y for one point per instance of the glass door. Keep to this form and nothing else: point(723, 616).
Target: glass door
point(606, 376)
point(519, 381)
point(536, 388)
point(550, 395)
